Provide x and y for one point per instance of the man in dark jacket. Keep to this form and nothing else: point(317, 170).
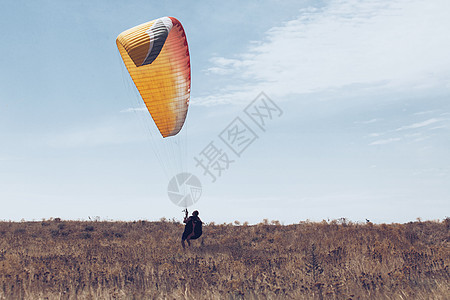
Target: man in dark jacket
point(192, 229)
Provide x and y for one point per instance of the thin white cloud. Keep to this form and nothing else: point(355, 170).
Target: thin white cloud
point(413, 135)
point(439, 127)
point(133, 109)
point(415, 132)
point(422, 138)
point(367, 122)
point(224, 66)
point(391, 44)
point(385, 141)
point(424, 112)
point(419, 124)
point(376, 134)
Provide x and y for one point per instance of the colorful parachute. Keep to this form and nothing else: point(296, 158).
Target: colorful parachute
point(156, 55)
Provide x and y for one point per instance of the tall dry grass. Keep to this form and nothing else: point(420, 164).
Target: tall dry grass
point(144, 260)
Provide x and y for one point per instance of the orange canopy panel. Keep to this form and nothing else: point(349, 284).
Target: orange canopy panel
point(156, 55)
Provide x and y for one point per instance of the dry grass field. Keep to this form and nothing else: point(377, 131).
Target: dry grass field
point(55, 259)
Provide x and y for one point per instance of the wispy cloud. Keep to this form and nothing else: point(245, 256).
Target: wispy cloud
point(385, 141)
point(424, 112)
point(419, 124)
point(133, 109)
point(224, 66)
point(367, 122)
point(346, 43)
point(376, 134)
point(413, 132)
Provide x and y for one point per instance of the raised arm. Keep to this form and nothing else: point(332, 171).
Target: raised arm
point(186, 219)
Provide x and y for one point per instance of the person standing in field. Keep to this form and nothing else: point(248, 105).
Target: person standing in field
point(192, 229)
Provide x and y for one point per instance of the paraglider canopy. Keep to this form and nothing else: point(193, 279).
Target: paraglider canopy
point(156, 55)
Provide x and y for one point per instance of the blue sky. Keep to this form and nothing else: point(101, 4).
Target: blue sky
point(364, 88)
